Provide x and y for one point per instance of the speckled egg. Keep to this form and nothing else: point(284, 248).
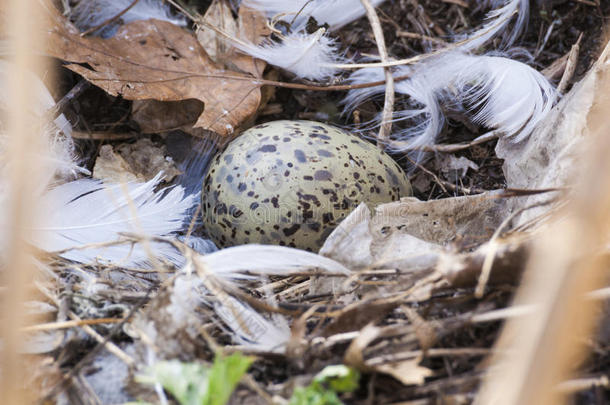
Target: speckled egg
point(290, 183)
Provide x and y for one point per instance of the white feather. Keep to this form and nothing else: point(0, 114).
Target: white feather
point(498, 92)
point(268, 259)
point(87, 211)
point(308, 56)
point(498, 21)
point(424, 115)
point(91, 13)
point(335, 13)
point(502, 93)
point(246, 326)
point(251, 329)
point(59, 159)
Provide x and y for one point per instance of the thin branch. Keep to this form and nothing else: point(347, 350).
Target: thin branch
point(388, 106)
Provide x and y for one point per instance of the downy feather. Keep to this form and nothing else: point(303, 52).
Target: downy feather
point(87, 211)
point(497, 92)
point(498, 21)
point(91, 13)
point(424, 113)
point(335, 13)
point(246, 326)
point(252, 330)
point(308, 56)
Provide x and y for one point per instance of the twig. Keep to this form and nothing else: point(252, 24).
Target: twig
point(450, 148)
point(388, 105)
point(568, 73)
point(110, 20)
point(546, 38)
point(414, 35)
point(57, 109)
point(68, 324)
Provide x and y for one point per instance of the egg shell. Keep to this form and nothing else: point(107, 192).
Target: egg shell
point(290, 183)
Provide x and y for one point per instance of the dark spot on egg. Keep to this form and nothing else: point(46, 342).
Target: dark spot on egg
point(291, 230)
point(267, 148)
point(300, 155)
point(322, 175)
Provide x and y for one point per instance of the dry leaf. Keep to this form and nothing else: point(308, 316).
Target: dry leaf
point(406, 371)
point(157, 60)
point(111, 167)
point(449, 164)
point(250, 26)
point(148, 159)
point(140, 161)
point(218, 15)
point(409, 234)
point(154, 116)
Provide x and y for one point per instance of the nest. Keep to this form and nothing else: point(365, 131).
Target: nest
point(423, 297)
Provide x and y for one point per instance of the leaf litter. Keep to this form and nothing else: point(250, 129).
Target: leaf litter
point(412, 295)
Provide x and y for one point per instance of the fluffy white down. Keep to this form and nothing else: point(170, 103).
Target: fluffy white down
point(498, 22)
point(308, 56)
point(335, 13)
point(497, 92)
point(91, 13)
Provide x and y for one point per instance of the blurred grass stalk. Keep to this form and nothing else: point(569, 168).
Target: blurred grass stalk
point(570, 259)
point(23, 27)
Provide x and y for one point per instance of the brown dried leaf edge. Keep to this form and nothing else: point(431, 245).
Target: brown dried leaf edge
point(157, 60)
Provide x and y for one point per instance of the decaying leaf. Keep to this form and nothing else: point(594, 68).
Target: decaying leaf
point(154, 116)
point(456, 166)
point(139, 161)
point(250, 26)
point(409, 233)
point(219, 15)
point(111, 167)
point(148, 159)
point(157, 60)
point(406, 371)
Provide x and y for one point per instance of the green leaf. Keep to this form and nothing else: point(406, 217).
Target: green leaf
point(197, 384)
point(224, 377)
point(339, 378)
point(314, 395)
point(187, 382)
point(325, 385)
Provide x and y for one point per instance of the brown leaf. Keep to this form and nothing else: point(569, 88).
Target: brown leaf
point(157, 60)
point(406, 371)
point(154, 116)
point(250, 26)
